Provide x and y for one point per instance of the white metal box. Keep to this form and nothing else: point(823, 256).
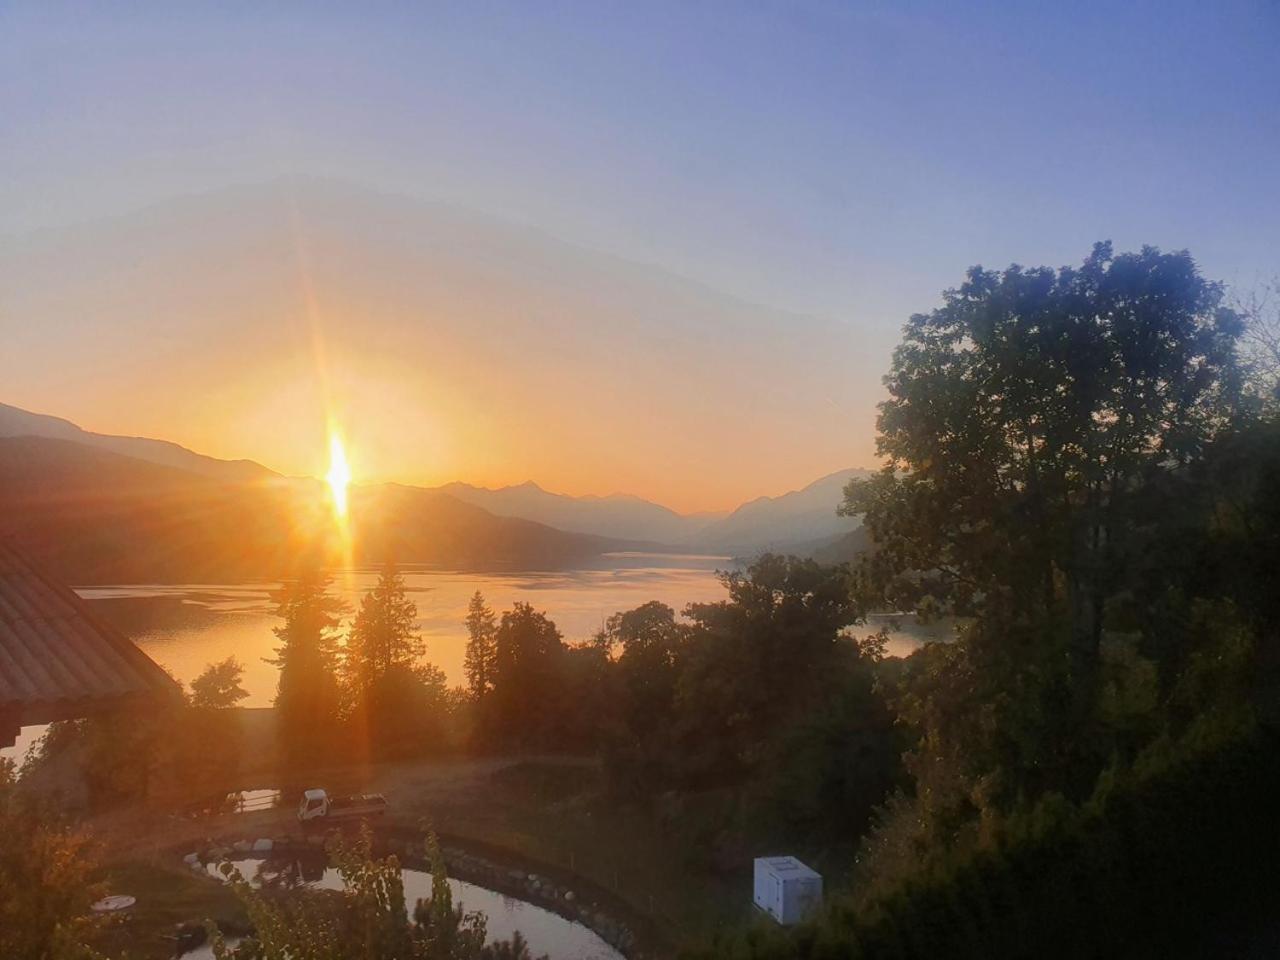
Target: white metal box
point(786, 889)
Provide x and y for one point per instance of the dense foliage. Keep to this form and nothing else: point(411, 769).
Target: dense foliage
point(1077, 475)
point(46, 869)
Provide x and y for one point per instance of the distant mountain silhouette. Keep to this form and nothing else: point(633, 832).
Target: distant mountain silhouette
point(17, 423)
point(99, 517)
point(619, 515)
point(801, 521)
point(191, 513)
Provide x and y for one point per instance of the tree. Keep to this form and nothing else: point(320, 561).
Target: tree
point(1261, 343)
point(382, 636)
point(481, 647)
point(308, 695)
point(640, 746)
point(46, 873)
point(218, 685)
point(754, 662)
point(206, 741)
point(1025, 418)
point(525, 708)
point(396, 702)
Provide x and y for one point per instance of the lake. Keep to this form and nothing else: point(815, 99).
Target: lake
point(188, 626)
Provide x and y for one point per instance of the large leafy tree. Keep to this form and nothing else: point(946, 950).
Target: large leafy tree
point(218, 686)
point(1026, 419)
point(755, 663)
point(525, 708)
point(639, 744)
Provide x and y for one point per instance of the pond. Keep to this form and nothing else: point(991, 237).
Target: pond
point(548, 933)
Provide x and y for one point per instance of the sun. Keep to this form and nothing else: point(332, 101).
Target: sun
point(339, 475)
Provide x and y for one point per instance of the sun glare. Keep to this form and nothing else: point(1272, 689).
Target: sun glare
point(339, 475)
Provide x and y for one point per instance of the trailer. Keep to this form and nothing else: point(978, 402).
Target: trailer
point(317, 807)
point(786, 889)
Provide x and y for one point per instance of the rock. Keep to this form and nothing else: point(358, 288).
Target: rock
point(243, 846)
point(219, 853)
point(568, 895)
point(516, 875)
point(262, 845)
point(191, 859)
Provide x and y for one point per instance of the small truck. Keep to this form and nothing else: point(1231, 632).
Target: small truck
point(317, 807)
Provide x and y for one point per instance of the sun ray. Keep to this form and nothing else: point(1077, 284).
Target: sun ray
point(339, 475)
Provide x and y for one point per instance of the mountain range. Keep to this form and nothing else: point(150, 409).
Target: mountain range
point(799, 521)
point(104, 508)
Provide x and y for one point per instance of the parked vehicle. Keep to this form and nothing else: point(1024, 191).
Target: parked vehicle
point(318, 807)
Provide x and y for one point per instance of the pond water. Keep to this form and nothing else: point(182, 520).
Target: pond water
point(548, 933)
point(185, 627)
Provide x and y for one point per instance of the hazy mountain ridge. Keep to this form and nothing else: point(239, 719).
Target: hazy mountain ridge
point(617, 515)
point(802, 521)
point(95, 516)
point(15, 422)
point(799, 521)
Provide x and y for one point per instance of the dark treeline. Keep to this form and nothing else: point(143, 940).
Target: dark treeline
point(763, 696)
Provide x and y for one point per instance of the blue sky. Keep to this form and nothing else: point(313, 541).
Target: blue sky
point(841, 159)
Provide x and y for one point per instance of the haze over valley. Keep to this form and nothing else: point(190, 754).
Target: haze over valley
point(111, 509)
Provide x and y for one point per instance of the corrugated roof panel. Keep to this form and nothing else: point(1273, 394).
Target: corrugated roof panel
point(56, 658)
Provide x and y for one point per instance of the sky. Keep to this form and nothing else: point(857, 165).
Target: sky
point(841, 162)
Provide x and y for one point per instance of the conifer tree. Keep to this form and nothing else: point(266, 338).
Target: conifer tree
point(482, 630)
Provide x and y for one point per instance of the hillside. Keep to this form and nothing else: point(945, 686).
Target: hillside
point(799, 521)
point(96, 517)
point(618, 515)
point(17, 423)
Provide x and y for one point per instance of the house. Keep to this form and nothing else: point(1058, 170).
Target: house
point(58, 660)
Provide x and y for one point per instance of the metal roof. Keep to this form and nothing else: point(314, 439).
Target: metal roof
point(58, 661)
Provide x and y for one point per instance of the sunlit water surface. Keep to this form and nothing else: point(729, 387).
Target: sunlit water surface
point(185, 627)
point(548, 933)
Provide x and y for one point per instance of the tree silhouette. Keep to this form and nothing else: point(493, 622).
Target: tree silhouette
point(481, 647)
point(308, 694)
point(1025, 417)
point(382, 636)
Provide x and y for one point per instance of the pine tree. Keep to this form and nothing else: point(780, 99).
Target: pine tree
point(307, 697)
point(482, 628)
point(383, 637)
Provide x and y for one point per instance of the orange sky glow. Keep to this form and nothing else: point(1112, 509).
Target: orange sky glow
point(441, 346)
